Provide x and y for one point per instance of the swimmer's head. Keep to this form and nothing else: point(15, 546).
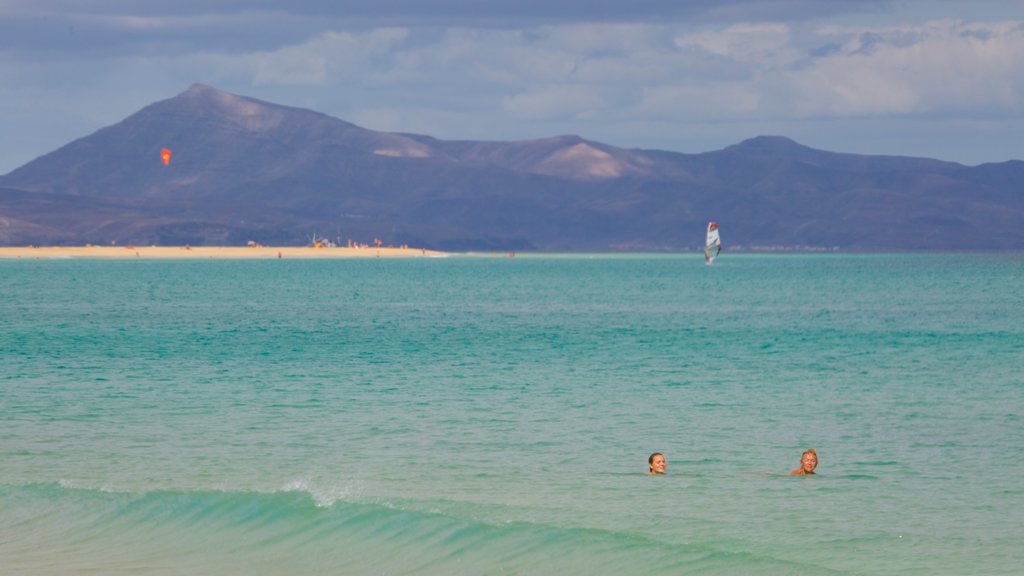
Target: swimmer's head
point(656, 463)
point(809, 460)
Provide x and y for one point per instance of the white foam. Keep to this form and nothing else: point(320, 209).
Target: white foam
point(76, 485)
point(324, 496)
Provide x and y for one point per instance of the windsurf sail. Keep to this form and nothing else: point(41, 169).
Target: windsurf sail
point(713, 244)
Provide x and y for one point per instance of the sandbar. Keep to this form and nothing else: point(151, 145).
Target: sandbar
point(214, 252)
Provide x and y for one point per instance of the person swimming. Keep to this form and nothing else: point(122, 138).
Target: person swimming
point(808, 462)
point(656, 463)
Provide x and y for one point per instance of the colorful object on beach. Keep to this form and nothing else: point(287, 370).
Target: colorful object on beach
point(165, 156)
point(712, 245)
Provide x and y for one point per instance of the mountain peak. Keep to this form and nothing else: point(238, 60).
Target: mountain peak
point(254, 115)
point(199, 89)
point(769, 145)
point(209, 94)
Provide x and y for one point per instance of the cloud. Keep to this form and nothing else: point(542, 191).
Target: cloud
point(671, 71)
point(577, 102)
point(783, 71)
point(328, 57)
point(507, 14)
point(637, 81)
point(938, 67)
point(761, 44)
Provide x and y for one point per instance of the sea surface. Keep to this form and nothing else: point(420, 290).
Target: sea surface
point(490, 415)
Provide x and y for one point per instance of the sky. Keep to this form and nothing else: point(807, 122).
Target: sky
point(940, 78)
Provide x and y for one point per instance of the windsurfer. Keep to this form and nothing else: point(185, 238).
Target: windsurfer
point(712, 244)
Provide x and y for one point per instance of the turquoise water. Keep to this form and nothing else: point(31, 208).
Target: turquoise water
point(478, 415)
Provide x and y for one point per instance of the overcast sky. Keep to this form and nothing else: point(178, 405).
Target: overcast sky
point(938, 78)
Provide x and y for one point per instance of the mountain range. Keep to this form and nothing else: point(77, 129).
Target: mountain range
point(246, 170)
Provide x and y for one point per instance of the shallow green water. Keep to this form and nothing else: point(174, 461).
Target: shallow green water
point(494, 415)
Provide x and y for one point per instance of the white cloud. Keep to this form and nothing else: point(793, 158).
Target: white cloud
point(603, 72)
point(329, 57)
point(633, 84)
point(938, 67)
point(761, 44)
point(686, 102)
point(572, 101)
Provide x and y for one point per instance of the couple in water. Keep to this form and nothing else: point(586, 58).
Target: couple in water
point(808, 462)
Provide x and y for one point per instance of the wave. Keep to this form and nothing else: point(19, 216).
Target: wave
point(50, 528)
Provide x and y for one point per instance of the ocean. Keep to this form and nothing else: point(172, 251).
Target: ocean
point(493, 415)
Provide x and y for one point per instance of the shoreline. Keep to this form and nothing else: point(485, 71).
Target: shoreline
point(211, 252)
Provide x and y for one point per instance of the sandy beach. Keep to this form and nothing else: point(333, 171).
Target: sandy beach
point(212, 252)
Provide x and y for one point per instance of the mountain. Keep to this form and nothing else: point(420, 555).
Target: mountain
point(242, 169)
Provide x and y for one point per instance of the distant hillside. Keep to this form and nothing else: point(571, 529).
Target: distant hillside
point(242, 169)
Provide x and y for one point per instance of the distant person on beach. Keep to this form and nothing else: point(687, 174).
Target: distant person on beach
point(656, 463)
point(808, 462)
